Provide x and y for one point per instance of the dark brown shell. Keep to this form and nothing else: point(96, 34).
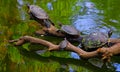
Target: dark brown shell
point(38, 12)
point(69, 30)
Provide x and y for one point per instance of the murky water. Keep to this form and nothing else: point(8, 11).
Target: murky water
point(86, 15)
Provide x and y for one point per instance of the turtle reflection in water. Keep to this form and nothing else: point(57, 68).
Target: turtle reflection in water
point(39, 15)
point(95, 40)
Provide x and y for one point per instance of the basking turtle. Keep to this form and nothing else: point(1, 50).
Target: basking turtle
point(69, 30)
point(92, 41)
point(38, 14)
point(63, 44)
point(95, 40)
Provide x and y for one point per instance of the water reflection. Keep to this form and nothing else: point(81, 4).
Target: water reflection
point(20, 2)
point(65, 63)
point(75, 55)
point(89, 19)
point(20, 5)
point(34, 1)
point(21, 10)
point(49, 5)
point(117, 66)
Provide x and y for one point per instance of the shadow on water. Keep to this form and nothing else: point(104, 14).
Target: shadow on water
point(62, 61)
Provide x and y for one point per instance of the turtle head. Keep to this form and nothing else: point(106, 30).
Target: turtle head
point(28, 5)
point(60, 24)
point(110, 32)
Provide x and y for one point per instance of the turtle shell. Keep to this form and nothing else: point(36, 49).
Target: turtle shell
point(69, 30)
point(94, 40)
point(37, 12)
point(63, 44)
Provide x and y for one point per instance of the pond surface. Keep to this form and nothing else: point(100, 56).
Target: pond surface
point(86, 15)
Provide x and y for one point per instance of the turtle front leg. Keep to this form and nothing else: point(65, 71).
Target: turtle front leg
point(110, 51)
point(107, 56)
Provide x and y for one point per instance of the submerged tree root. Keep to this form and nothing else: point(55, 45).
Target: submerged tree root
point(107, 52)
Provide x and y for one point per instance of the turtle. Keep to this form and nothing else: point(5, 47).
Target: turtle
point(95, 40)
point(70, 33)
point(68, 29)
point(63, 44)
point(38, 14)
point(92, 41)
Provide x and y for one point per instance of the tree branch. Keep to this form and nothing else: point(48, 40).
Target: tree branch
point(115, 49)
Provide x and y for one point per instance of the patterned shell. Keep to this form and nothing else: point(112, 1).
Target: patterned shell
point(95, 40)
point(38, 12)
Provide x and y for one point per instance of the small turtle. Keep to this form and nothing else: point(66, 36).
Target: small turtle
point(63, 44)
point(69, 30)
point(38, 14)
point(95, 40)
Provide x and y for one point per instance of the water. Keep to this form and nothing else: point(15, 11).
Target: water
point(90, 19)
point(85, 15)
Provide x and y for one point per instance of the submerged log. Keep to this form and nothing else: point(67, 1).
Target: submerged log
point(107, 52)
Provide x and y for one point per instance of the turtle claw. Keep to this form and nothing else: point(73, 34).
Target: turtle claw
point(107, 56)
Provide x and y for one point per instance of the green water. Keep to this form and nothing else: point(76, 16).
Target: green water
point(14, 23)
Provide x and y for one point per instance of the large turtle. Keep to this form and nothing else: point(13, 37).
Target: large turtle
point(95, 40)
point(38, 14)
